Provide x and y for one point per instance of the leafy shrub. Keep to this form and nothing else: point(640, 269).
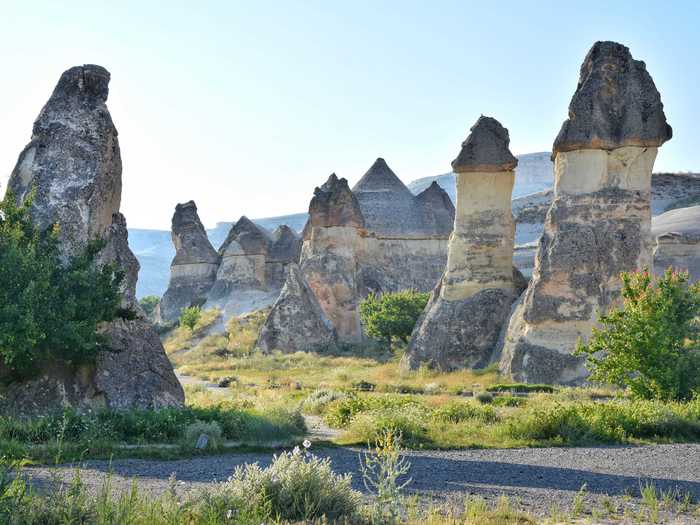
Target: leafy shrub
point(49, 307)
point(651, 345)
point(411, 421)
point(521, 388)
point(339, 413)
point(189, 316)
point(392, 315)
point(297, 486)
point(149, 303)
point(211, 429)
point(484, 397)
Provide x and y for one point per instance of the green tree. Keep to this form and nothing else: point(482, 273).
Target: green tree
point(650, 344)
point(49, 308)
point(149, 303)
point(392, 315)
point(189, 316)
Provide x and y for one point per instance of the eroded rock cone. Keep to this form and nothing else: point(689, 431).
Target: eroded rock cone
point(73, 167)
point(296, 321)
point(462, 321)
point(194, 267)
point(330, 255)
point(599, 222)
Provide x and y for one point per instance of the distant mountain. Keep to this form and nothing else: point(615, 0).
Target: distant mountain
point(535, 172)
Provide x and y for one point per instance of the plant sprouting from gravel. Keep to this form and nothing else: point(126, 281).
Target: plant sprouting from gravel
point(382, 469)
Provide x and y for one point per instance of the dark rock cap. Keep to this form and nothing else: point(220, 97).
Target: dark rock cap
point(251, 237)
point(486, 149)
point(616, 104)
point(89, 80)
point(190, 238)
point(333, 204)
point(380, 177)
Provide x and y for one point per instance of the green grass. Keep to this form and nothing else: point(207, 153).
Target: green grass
point(546, 419)
point(103, 433)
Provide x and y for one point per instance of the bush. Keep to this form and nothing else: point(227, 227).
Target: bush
point(650, 345)
point(49, 307)
point(392, 315)
point(189, 317)
point(297, 486)
point(484, 397)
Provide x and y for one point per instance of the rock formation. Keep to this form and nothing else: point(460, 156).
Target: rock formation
point(73, 166)
point(193, 269)
point(296, 307)
point(405, 245)
point(330, 253)
point(467, 310)
point(376, 238)
point(599, 222)
point(677, 234)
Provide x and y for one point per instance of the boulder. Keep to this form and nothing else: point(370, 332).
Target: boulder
point(194, 267)
point(296, 321)
point(73, 166)
point(599, 222)
point(466, 312)
point(133, 372)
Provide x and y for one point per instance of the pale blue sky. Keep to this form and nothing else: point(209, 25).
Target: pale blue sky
point(246, 106)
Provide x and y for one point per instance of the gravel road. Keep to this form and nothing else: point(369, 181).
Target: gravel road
point(536, 478)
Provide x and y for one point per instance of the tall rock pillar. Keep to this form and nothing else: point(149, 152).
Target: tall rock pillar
point(600, 220)
point(330, 252)
point(461, 323)
point(193, 269)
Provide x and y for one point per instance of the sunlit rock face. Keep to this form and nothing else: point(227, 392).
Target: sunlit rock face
point(296, 322)
point(460, 326)
point(330, 253)
point(377, 237)
point(72, 168)
point(194, 267)
point(599, 222)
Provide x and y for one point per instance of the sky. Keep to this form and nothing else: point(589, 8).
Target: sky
point(245, 107)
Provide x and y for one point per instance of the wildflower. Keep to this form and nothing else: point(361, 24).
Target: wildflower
point(306, 443)
point(229, 514)
point(296, 451)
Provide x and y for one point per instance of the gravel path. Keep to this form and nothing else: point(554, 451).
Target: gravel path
point(536, 478)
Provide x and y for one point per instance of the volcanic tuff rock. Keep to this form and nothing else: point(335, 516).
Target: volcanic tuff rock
point(296, 322)
point(464, 317)
point(677, 234)
point(616, 104)
point(194, 267)
point(599, 222)
point(73, 164)
point(376, 238)
point(330, 253)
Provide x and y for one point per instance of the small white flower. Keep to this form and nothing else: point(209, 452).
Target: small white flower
point(306, 443)
point(296, 451)
point(229, 514)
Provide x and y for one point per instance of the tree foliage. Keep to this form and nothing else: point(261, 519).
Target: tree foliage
point(149, 303)
point(190, 316)
point(392, 315)
point(650, 345)
point(49, 308)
